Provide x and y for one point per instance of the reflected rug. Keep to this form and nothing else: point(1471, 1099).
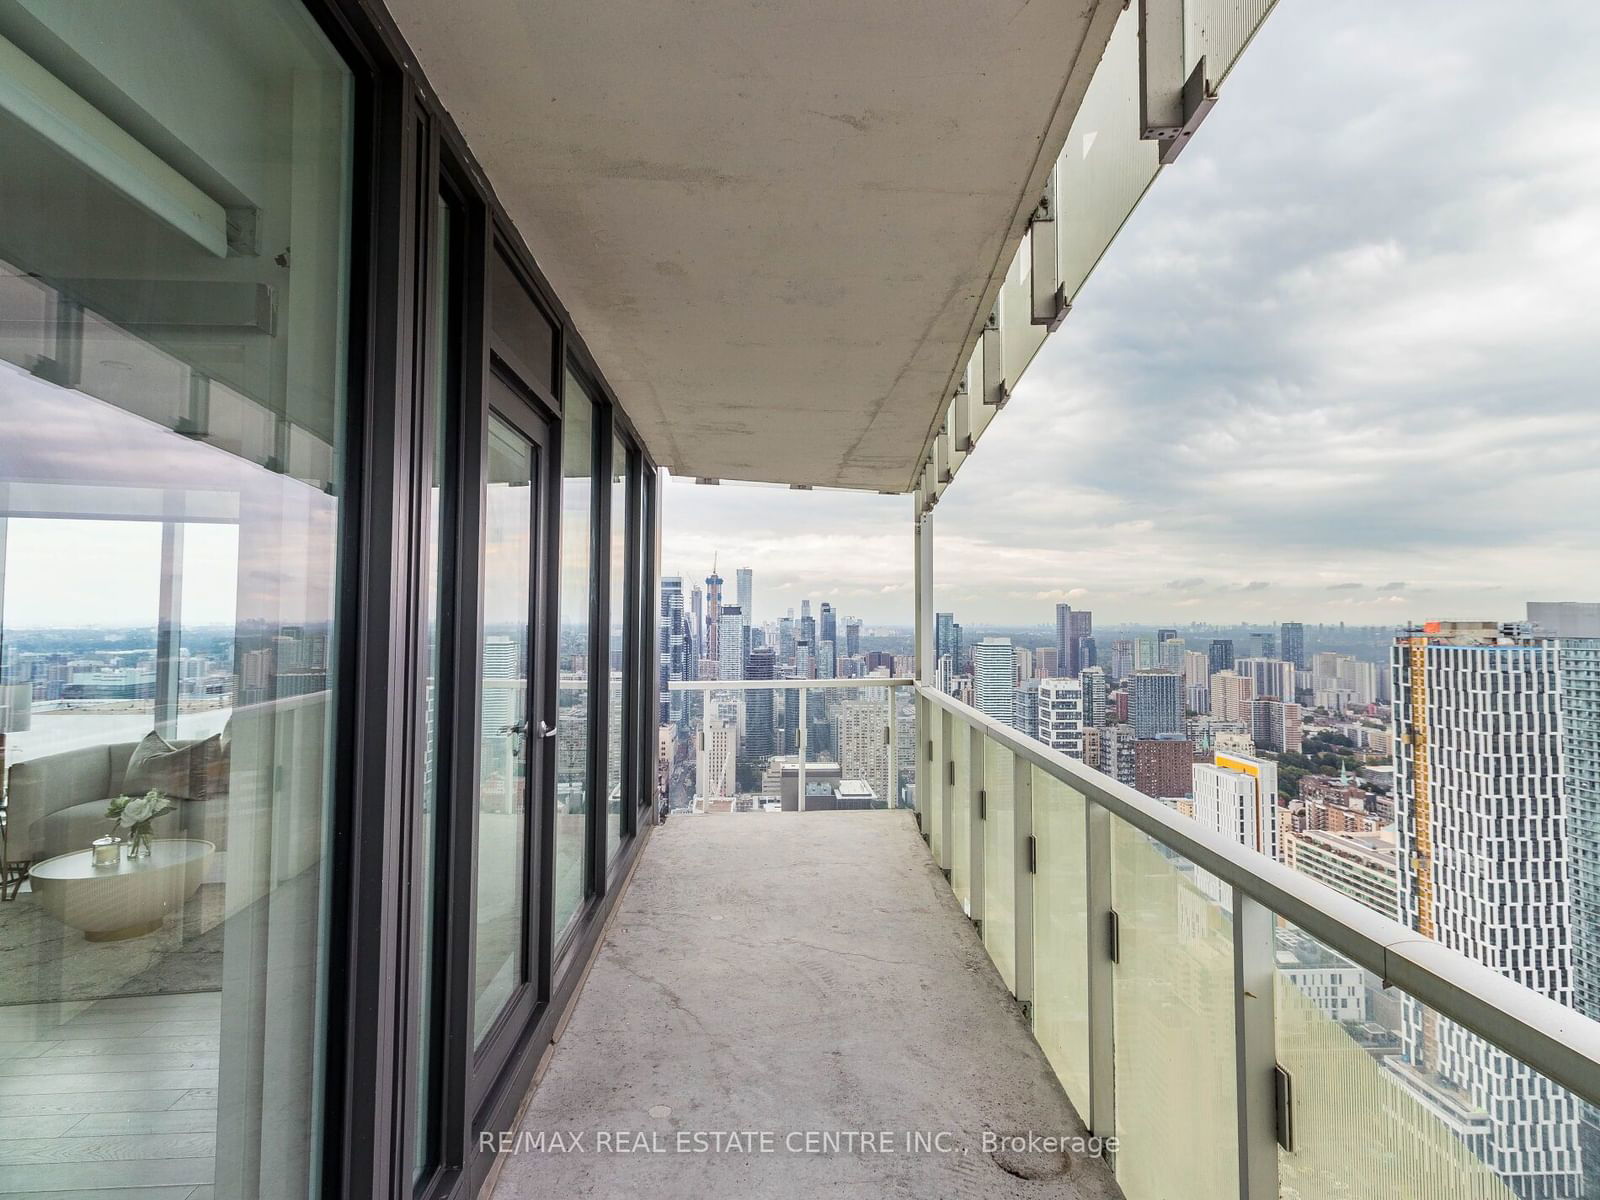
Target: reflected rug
point(43, 960)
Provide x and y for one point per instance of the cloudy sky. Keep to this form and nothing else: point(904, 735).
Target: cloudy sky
point(1343, 364)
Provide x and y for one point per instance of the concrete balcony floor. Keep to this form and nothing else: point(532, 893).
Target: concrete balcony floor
point(786, 973)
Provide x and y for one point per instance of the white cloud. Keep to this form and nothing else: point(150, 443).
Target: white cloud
point(1347, 338)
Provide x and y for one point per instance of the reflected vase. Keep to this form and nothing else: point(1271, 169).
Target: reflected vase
point(139, 838)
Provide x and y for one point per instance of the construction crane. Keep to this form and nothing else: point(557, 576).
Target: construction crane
point(1422, 815)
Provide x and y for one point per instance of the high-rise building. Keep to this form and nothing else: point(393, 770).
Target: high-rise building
point(1260, 645)
point(1165, 635)
point(1046, 662)
point(1477, 781)
point(1072, 627)
point(1271, 676)
point(1124, 652)
point(697, 628)
point(745, 589)
point(859, 738)
point(827, 660)
point(1064, 651)
point(675, 648)
point(1340, 681)
point(502, 685)
point(1363, 866)
point(1172, 651)
point(1292, 643)
point(1109, 749)
point(1220, 654)
point(829, 626)
point(1275, 725)
point(993, 677)
point(1061, 715)
point(717, 757)
point(1024, 657)
point(760, 741)
point(1025, 708)
point(1238, 797)
point(1156, 704)
point(1576, 628)
point(1096, 693)
point(852, 637)
point(1088, 653)
point(1147, 652)
point(713, 614)
point(730, 643)
point(1231, 694)
point(1162, 766)
point(947, 640)
point(805, 663)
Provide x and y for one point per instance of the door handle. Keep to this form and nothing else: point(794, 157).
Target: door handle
point(546, 730)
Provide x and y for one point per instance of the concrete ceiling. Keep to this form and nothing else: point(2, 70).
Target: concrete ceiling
point(778, 226)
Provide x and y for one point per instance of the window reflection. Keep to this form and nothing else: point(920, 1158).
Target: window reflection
point(617, 725)
point(171, 406)
point(503, 720)
point(573, 652)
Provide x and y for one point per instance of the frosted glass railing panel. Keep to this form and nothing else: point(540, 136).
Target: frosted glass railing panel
point(1220, 30)
point(1372, 1119)
point(1104, 167)
point(960, 793)
point(1021, 336)
point(1061, 935)
point(1000, 860)
point(938, 783)
point(1176, 1112)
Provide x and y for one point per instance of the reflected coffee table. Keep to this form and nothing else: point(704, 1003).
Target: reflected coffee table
point(128, 900)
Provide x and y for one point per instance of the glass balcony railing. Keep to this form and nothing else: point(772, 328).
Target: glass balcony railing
point(1230, 1026)
point(788, 745)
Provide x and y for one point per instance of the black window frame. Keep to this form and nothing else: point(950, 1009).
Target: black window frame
point(406, 152)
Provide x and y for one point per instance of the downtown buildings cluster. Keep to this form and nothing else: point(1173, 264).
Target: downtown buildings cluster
point(1455, 787)
point(754, 749)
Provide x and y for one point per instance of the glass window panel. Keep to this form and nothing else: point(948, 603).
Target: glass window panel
point(172, 401)
point(1176, 1114)
point(572, 698)
point(961, 813)
point(1061, 934)
point(1000, 860)
point(618, 726)
point(1390, 1099)
point(935, 773)
point(433, 597)
point(647, 700)
point(501, 877)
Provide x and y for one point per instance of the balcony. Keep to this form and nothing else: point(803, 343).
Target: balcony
point(1036, 949)
point(795, 977)
point(345, 375)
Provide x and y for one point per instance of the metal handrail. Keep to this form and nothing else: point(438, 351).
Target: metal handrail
point(1558, 1041)
point(788, 685)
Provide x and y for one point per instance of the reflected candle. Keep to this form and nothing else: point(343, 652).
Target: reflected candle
point(105, 851)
